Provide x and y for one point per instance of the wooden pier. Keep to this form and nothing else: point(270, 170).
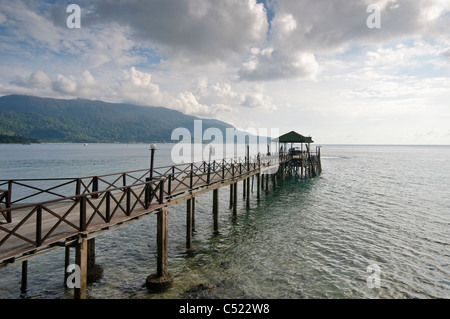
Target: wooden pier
point(30, 227)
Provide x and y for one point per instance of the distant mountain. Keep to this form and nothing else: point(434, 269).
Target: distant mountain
point(6, 139)
point(79, 120)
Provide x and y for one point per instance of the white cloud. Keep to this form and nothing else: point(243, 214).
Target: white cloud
point(322, 26)
point(187, 102)
point(272, 64)
point(65, 85)
point(258, 100)
point(84, 85)
point(36, 80)
point(195, 32)
point(136, 86)
point(204, 57)
point(303, 29)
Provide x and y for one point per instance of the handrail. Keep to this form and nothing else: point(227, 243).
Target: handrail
point(91, 206)
point(95, 185)
point(85, 210)
point(90, 184)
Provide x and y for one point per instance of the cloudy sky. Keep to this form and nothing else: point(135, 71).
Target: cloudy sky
point(313, 66)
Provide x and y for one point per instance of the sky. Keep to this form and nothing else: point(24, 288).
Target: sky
point(341, 71)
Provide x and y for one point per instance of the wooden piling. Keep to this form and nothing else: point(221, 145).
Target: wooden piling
point(81, 252)
point(193, 214)
point(216, 210)
point(189, 224)
point(162, 241)
point(262, 181)
point(162, 278)
point(231, 195)
point(94, 271)
point(24, 281)
point(66, 263)
point(258, 186)
point(248, 193)
point(235, 199)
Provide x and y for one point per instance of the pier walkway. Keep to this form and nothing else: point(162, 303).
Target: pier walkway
point(35, 219)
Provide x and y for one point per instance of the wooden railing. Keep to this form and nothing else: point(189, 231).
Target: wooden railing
point(21, 191)
point(98, 200)
point(5, 197)
point(78, 212)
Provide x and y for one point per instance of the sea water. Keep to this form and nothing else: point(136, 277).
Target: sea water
point(375, 224)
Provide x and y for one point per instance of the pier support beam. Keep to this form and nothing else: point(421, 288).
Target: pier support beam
point(24, 282)
point(81, 255)
point(94, 271)
point(231, 195)
point(193, 214)
point(162, 279)
point(216, 210)
point(258, 186)
point(248, 193)
point(66, 263)
point(189, 222)
point(235, 199)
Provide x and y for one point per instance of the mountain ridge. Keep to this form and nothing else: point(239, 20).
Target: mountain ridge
point(82, 120)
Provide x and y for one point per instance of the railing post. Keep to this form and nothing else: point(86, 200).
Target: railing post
point(169, 186)
point(95, 186)
point(223, 169)
point(8, 202)
point(128, 190)
point(209, 174)
point(108, 206)
point(161, 192)
point(83, 213)
point(248, 158)
point(148, 195)
point(9, 195)
point(39, 226)
point(191, 177)
point(78, 186)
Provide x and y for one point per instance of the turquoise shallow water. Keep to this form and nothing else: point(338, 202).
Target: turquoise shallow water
point(387, 206)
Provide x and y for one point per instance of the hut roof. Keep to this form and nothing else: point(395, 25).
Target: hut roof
point(293, 137)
